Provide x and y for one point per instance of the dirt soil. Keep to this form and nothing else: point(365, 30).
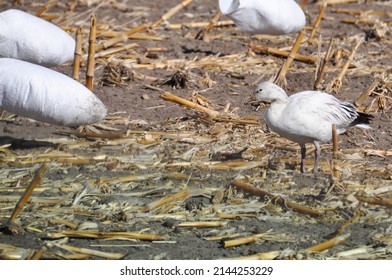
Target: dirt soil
point(156, 180)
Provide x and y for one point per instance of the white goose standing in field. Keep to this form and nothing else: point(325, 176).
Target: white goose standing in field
point(308, 116)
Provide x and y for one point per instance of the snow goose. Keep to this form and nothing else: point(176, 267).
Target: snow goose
point(45, 95)
point(273, 17)
point(30, 38)
point(308, 116)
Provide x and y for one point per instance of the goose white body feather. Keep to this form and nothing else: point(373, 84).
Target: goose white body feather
point(274, 17)
point(308, 116)
point(45, 95)
point(26, 37)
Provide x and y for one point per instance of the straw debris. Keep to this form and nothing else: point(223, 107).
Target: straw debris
point(181, 167)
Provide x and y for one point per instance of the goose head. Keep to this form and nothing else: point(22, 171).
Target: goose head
point(269, 92)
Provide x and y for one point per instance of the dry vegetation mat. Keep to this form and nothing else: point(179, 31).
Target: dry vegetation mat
point(181, 168)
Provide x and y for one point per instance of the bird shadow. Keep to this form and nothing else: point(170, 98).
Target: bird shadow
point(188, 50)
point(19, 143)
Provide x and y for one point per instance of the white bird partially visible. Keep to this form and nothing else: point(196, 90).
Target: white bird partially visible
point(274, 17)
point(308, 116)
point(29, 38)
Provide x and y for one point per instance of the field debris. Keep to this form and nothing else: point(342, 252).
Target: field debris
point(181, 167)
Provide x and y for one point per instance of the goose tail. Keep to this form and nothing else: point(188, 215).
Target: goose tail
point(362, 120)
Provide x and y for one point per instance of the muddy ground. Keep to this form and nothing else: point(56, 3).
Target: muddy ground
point(112, 177)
